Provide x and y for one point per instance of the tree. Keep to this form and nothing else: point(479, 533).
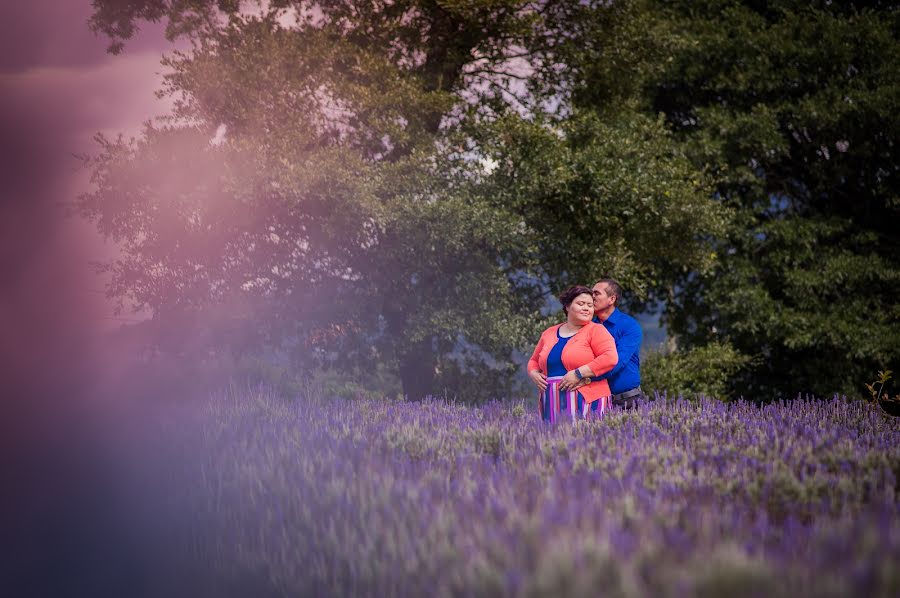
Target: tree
point(326, 184)
point(792, 107)
point(606, 197)
point(332, 215)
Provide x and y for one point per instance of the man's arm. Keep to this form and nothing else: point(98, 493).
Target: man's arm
point(626, 346)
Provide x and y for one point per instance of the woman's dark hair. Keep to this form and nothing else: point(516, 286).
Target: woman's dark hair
point(568, 296)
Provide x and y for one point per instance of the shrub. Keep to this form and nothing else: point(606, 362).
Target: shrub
point(699, 371)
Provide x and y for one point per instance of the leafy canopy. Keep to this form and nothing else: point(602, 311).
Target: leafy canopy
point(358, 183)
point(793, 108)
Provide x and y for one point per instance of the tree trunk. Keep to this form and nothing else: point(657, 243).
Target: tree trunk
point(417, 370)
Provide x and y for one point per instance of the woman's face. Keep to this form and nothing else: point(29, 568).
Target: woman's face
point(581, 309)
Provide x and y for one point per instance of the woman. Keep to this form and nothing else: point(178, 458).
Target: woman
point(569, 353)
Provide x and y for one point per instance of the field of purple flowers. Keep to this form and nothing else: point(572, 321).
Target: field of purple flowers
point(380, 498)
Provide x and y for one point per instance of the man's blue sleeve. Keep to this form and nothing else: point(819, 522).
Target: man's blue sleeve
point(626, 347)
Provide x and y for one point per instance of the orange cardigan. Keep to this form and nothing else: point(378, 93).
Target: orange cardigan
point(592, 346)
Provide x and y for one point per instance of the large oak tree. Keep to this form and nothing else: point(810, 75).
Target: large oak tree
point(377, 182)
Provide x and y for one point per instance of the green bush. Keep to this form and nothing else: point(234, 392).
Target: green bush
point(699, 371)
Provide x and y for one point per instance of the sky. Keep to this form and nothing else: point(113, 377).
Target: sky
point(58, 88)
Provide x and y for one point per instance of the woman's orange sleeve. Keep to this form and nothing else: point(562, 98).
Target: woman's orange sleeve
point(604, 347)
point(534, 363)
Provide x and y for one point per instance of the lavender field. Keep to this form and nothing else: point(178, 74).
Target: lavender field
point(314, 497)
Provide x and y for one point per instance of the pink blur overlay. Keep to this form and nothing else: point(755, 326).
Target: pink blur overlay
point(58, 88)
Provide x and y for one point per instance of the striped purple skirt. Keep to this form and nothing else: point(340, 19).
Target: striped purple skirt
point(556, 405)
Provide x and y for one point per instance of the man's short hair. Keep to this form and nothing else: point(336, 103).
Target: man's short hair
point(612, 288)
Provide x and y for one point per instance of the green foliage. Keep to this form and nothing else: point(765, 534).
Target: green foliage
point(334, 220)
point(612, 196)
point(792, 109)
point(405, 183)
point(883, 377)
point(890, 404)
point(349, 215)
point(693, 372)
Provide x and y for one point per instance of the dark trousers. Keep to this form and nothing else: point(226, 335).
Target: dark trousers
point(627, 399)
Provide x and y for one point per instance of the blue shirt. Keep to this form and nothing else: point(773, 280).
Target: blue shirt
point(628, 335)
point(555, 365)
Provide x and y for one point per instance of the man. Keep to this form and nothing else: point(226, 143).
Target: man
point(624, 379)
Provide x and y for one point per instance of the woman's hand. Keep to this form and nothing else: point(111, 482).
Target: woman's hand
point(569, 381)
point(583, 382)
point(539, 379)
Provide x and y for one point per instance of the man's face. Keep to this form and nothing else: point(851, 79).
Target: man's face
point(602, 299)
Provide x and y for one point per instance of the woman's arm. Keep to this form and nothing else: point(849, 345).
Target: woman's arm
point(572, 380)
point(534, 367)
point(604, 347)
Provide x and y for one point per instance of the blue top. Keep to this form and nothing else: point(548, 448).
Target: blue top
point(555, 365)
point(627, 333)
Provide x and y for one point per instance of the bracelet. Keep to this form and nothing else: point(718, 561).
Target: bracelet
point(578, 374)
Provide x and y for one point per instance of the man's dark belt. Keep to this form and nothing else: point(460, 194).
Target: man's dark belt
point(626, 398)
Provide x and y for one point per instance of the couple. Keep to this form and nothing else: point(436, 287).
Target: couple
point(591, 360)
